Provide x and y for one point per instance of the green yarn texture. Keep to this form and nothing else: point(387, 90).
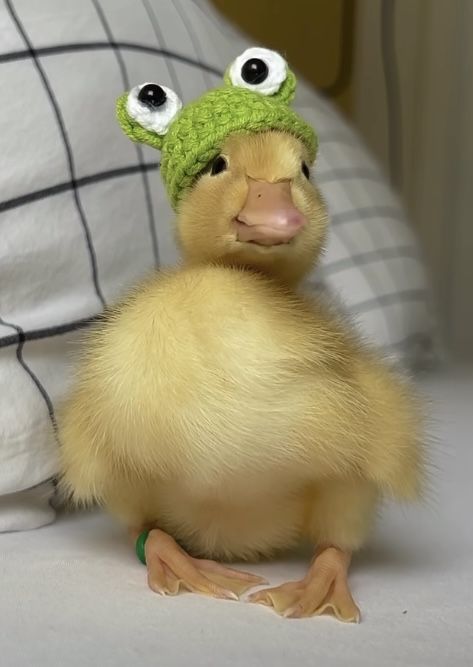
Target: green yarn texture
point(133, 129)
point(196, 135)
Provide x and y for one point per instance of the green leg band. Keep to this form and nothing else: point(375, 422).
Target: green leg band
point(140, 546)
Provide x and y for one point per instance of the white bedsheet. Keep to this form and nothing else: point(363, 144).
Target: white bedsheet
point(74, 594)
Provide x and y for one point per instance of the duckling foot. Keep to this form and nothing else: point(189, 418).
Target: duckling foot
point(324, 590)
point(171, 570)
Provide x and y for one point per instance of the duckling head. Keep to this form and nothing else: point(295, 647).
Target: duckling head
point(236, 166)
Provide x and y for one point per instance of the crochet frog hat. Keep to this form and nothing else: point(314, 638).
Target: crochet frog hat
point(258, 88)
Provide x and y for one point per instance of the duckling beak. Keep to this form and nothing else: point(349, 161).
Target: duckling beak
point(269, 216)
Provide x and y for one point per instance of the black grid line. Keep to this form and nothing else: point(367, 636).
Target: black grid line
point(158, 33)
point(65, 186)
point(48, 332)
point(401, 296)
point(67, 147)
point(368, 213)
point(394, 252)
point(421, 339)
point(348, 173)
point(19, 355)
point(80, 47)
point(139, 151)
point(373, 232)
point(8, 204)
point(359, 260)
point(361, 266)
point(194, 40)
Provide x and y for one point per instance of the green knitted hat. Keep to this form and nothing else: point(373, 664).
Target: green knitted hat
point(255, 97)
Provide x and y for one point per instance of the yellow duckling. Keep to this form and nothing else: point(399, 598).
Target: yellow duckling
point(217, 408)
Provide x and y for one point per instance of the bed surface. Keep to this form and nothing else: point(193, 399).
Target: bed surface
point(73, 593)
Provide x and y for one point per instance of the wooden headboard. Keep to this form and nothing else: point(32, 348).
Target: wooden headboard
point(316, 37)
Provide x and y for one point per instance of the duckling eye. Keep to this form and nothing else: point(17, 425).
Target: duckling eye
point(218, 165)
point(154, 107)
point(305, 170)
point(260, 70)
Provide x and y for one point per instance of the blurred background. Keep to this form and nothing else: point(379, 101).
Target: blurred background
point(401, 71)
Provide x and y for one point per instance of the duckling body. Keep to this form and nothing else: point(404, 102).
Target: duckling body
point(215, 403)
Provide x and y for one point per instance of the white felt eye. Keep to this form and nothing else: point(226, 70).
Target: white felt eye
point(153, 107)
point(259, 69)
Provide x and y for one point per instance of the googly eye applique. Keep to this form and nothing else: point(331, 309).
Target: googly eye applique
point(153, 106)
point(259, 69)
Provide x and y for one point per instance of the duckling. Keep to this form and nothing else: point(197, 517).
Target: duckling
point(221, 414)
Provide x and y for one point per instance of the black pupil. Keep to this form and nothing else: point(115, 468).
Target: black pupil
point(305, 170)
point(152, 95)
point(254, 71)
point(218, 165)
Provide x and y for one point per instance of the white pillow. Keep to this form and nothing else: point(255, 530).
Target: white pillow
point(83, 213)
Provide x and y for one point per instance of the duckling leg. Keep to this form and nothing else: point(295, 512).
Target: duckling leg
point(171, 570)
point(340, 516)
point(323, 590)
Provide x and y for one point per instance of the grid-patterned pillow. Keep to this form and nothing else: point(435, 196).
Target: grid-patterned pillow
point(83, 213)
point(372, 264)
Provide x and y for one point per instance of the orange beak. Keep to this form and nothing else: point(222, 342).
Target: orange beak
point(269, 216)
